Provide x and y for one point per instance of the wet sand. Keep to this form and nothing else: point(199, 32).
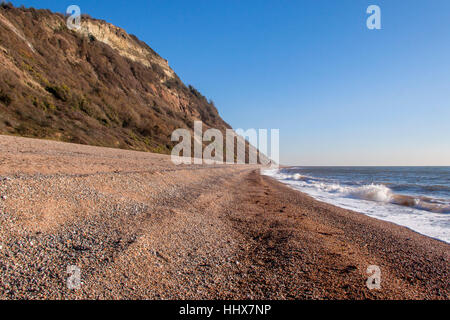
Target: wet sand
point(139, 227)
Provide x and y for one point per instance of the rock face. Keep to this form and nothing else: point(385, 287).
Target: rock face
point(98, 85)
point(126, 45)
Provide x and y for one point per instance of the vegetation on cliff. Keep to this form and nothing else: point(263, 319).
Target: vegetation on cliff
point(99, 86)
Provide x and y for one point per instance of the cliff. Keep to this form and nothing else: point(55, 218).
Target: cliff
point(98, 85)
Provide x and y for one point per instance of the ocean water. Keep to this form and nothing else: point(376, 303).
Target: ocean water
point(414, 197)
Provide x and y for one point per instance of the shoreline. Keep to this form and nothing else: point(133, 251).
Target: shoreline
point(354, 210)
point(139, 227)
point(401, 253)
point(424, 214)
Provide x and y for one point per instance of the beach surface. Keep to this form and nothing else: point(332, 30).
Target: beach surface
point(139, 227)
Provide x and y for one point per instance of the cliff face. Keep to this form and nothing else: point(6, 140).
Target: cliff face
point(98, 85)
point(125, 45)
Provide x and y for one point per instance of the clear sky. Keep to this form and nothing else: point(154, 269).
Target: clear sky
point(339, 93)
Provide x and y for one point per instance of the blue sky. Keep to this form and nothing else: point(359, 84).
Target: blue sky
point(339, 93)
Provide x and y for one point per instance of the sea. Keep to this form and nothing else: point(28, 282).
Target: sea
point(414, 197)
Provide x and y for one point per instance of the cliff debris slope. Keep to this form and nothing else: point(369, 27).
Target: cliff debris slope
point(98, 86)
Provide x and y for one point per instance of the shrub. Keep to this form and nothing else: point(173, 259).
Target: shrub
point(59, 92)
point(5, 98)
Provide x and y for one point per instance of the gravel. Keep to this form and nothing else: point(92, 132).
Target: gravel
point(138, 227)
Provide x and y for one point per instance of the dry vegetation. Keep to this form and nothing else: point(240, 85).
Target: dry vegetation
point(58, 84)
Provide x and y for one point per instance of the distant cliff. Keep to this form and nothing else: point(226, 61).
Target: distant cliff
point(98, 85)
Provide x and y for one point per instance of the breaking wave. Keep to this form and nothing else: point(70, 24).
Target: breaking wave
point(370, 192)
point(426, 213)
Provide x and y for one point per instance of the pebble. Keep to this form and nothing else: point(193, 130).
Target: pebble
point(38, 260)
point(4, 197)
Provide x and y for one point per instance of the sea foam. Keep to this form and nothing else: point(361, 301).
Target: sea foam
point(423, 214)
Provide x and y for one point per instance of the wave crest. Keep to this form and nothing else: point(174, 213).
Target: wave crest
point(373, 192)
